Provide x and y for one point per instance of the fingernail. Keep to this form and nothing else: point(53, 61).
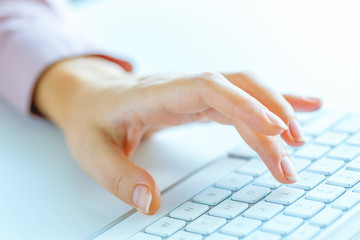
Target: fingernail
point(312, 99)
point(142, 198)
point(296, 131)
point(289, 169)
point(276, 120)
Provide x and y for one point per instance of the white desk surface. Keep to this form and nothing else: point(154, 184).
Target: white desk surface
point(309, 47)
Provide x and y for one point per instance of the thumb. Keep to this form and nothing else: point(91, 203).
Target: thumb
point(127, 181)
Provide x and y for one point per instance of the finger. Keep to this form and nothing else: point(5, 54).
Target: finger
point(212, 90)
point(272, 151)
point(127, 181)
point(274, 102)
point(303, 104)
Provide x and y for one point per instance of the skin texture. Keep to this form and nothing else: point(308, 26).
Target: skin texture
point(104, 113)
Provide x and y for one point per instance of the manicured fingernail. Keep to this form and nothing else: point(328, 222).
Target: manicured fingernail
point(276, 120)
point(296, 131)
point(312, 99)
point(289, 169)
point(142, 198)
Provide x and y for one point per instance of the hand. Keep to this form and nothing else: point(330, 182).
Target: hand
point(104, 113)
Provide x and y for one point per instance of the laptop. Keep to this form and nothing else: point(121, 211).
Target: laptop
point(235, 196)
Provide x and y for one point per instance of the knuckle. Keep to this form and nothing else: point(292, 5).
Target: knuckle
point(210, 79)
point(113, 183)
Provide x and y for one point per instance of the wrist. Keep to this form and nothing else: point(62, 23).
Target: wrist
point(67, 87)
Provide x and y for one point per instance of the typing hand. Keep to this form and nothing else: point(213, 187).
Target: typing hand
point(104, 113)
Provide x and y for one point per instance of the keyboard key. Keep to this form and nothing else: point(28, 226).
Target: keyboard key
point(304, 208)
point(144, 236)
point(285, 195)
point(250, 194)
point(356, 188)
point(258, 235)
point(267, 180)
point(308, 180)
point(219, 236)
point(282, 224)
point(234, 181)
point(182, 235)
point(205, 224)
point(325, 193)
point(346, 201)
point(326, 217)
point(189, 211)
point(354, 164)
point(212, 196)
point(243, 151)
point(354, 139)
point(322, 123)
point(344, 178)
point(228, 209)
point(240, 226)
point(305, 232)
point(254, 167)
point(165, 227)
point(305, 117)
point(312, 151)
point(300, 163)
point(331, 138)
point(326, 166)
point(263, 210)
point(345, 152)
point(350, 124)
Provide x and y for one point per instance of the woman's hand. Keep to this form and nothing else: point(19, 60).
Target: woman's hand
point(104, 113)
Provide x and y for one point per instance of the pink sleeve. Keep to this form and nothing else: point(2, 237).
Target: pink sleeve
point(34, 34)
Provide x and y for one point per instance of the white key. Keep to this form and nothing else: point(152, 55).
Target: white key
point(344, 178)
point(228, 209)
point(165, 227)
point(345, 152)
point(263, 210)
point(189, 211)
point(219, 236)
point(182, 235)
point(304, 208)
point(331, 138)
point(205, 224)
point(354, 164)
point(305, 117)
point(321, 123)
point(308, 180)
point(212, 196)
point(326, 217)
point(326, 166)
point(254, 167)
point(243, 151)
point(250, 194)
point(267, 180)
point(144, 236)
point(259, 235)
point(325, 193)
point(234, 181)
point(346, 201)
point(312, 151)
point(356, 188)
point(285, 195)
point(240, 226)
point(354, 139)
point(300, 163)
point(350, 124)
point(282, 224)
point(305, 232)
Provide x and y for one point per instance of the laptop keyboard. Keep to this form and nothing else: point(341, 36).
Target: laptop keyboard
point(250, 204)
